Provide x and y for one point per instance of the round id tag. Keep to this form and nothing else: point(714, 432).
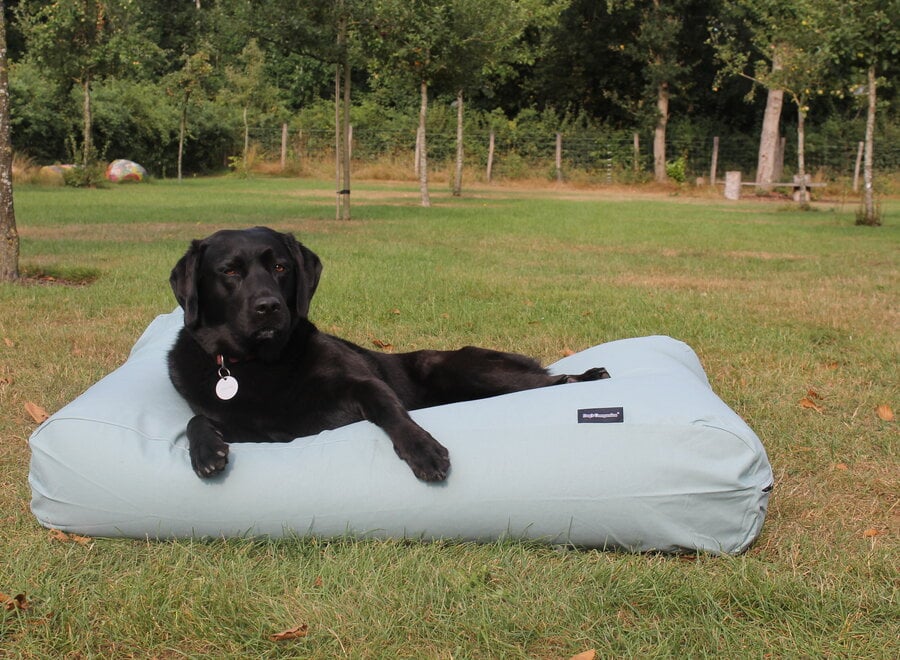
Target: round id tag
point(226, 388)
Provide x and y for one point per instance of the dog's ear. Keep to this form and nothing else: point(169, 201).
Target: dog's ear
point(184, 283)
point(309, 269)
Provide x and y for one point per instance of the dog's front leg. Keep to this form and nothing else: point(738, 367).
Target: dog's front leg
point(208, 449)
point(428, 458)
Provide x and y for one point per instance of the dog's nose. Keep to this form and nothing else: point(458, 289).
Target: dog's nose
point(267, 306)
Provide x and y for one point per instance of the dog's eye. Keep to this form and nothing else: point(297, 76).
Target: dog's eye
point(279, 268)
point(231, 272)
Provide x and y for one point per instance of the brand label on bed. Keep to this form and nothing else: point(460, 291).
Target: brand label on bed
point(601, 415)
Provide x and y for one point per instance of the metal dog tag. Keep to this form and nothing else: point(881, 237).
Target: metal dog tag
point(226, 388)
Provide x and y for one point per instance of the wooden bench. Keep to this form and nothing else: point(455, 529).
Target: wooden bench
point(733, 185)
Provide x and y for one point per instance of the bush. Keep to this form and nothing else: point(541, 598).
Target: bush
point(677, 169)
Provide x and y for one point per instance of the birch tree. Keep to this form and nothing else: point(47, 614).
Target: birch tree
point(866, 36)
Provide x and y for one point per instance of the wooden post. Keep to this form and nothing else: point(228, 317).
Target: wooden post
point(637, 153)
point(350, 142)
point(859, 157)
point(490, 163)
point(715, 161)
point(559, 174)
point(284, 138)
point(733, 185)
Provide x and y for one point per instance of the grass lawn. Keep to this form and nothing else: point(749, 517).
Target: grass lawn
point(781, 306)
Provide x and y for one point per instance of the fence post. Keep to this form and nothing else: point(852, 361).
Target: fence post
point(715, 161)
point(859, 155)
point(636, 165)
point(609, 163)
point(284, 137)
point(490, 163)
point(559, 175)
point(733, 184)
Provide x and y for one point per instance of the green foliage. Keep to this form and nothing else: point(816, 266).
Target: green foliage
point(677, 169)
point(528, 68)
point(40, 116)
point(135, 120)
point(92, 176)
point(775, 302)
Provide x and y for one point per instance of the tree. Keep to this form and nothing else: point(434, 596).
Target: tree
point(9, 237)
point(410, 41)
point(787, 52)
point(866, 38)
point(249, 87)
point(484, 41)
point(658, 39)
point(324, 30)
point(186, 83)
point(81, 41)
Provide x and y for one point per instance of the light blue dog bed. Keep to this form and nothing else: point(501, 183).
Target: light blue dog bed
point(650, 459)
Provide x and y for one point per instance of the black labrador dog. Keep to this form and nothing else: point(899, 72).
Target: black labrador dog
point(254, 368)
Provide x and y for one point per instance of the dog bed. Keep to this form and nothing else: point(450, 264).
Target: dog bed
point(649, 460)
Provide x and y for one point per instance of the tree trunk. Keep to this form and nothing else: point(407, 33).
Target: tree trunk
point(88, 122)
point(457, 181)
point(659, 133)
point(337, 140)
point(181, 132)
point(345, 156)
point(870, 211)
point(246, 141)
point(803, 197)
point(9, 237)
point(423, 148)
point(768, 139)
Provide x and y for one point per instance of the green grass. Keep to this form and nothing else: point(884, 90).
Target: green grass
point(776, 302)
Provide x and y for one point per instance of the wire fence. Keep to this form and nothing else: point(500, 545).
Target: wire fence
point(610, 158)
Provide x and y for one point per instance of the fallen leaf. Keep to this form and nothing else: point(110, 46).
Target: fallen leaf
point(291, 633)
point(317, 583)
point(63, 537)
point(841, 466)
point(831, 365)
point(37, 413)
point(806, 402)
point(885, 413)
point(395, 311)
point(871, 533)
point(10, 603)
point(567, 352)
point(383, 345)
point(585, 655)
point(9, 342)
point(812, 394)
point(81, 540)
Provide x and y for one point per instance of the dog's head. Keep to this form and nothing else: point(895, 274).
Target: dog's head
point(243, 291)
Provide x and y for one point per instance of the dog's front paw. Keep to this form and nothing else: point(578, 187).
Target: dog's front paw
point(209, 451)
point(428, 458)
